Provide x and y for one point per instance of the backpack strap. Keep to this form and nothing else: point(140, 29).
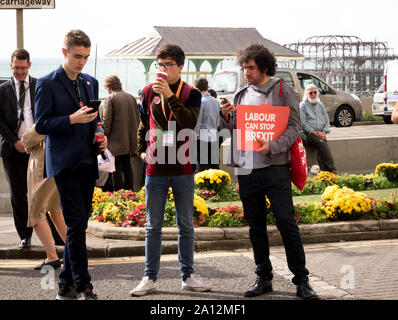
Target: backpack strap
point(148, 94)
point(186, 92)
point(280, 89)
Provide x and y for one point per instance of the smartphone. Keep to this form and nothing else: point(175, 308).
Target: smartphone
point(95, 105)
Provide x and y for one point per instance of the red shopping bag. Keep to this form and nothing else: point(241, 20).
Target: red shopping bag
point(298, 164)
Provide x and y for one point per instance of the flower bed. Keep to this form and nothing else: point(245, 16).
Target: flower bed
point(342, 201)
point(384, 177)
point(339, 204)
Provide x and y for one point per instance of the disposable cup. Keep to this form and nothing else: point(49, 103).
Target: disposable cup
point(162, 75)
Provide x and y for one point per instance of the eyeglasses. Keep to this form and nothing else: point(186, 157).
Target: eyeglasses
point(167, 65)
point(313, 92)
point(19, 68)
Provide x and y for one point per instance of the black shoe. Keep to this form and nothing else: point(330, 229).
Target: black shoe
point(305, 291)
point(261, 286)
point(55, 264)
point(88, 293)
point(67, 293)
point(25, 243)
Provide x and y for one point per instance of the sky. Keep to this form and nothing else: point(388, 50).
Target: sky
point(111, 24)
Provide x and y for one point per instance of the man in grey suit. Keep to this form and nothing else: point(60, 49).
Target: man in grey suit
point(16, 117)
point(120, 120)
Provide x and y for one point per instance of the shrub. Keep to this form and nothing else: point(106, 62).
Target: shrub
point(230, 216)
point(344, 203)
point(388, 170)
point(212, 180)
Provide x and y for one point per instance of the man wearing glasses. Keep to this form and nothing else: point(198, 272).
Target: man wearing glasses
point(315, 125)
point(170, 108)
point(16, 117)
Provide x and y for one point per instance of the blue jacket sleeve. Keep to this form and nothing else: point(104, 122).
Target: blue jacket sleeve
point(303, 114)
point(45, 118)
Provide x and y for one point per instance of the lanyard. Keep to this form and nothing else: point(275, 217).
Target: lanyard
point(79, 96)
point(162, 98)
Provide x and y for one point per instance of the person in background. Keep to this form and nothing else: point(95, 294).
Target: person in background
point(208, 153)
point(42, 198)
point(63, 117)
point(315, 125)
point(16, 117)
point(213, 93)
point(120, 120)
point(168, 107)
point(265, 172)
point(394, 115)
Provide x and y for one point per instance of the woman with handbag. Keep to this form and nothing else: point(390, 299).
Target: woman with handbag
point(42, 198)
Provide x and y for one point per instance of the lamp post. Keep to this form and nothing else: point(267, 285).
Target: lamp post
point(20, 42)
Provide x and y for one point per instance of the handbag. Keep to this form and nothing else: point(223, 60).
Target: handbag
point(107, 164)
point(298, 158)
point(298, 164)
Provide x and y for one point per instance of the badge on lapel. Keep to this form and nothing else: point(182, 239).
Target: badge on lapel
point(88, 83)
point(156, 100)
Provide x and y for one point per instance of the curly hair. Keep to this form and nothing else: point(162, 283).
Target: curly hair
point(172, 52)
point(264, 59)
point(113, 83)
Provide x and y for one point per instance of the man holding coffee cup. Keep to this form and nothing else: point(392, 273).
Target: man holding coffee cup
point(170, 110)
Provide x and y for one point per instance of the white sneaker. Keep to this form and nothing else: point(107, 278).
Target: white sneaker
point(194, 283)
point(145, 287)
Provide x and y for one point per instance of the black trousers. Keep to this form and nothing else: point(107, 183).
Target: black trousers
point(16, 170)
point(123, 170)
point(324, 155)
point(273, 182)
point(76, 188)
point(208, 155)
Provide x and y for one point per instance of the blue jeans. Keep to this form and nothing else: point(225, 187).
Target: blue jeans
point(156, 191)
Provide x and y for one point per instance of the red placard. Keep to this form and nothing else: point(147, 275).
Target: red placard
point(263, 121)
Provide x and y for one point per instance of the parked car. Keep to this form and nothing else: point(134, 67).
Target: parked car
point(343, 108)
point(378, 104)
point(390, 87)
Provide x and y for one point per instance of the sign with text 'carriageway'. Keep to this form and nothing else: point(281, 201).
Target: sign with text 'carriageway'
point(27, 4)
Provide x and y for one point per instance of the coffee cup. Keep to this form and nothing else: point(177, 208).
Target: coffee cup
point(162, 75)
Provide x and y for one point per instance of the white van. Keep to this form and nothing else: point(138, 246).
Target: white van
point(378, 104)
point(343, 108)
point(390, 87)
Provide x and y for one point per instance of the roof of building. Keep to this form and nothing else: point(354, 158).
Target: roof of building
point(201, 43)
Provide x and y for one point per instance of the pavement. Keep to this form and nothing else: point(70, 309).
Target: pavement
point(347, 260)
point(105, 241)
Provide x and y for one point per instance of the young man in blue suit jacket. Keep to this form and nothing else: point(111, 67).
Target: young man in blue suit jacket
point(70, 155)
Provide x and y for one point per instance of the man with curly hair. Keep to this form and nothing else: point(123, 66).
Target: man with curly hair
point(265, 172)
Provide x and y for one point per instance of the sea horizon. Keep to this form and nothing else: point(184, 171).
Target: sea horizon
point(131, 72)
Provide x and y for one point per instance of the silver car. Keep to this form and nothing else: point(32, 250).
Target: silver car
point(343, 108)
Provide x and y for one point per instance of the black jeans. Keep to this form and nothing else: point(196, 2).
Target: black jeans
point(123, 170)
point(273, 182)
point(209, 150)
point(76, 188)
point(16, 169)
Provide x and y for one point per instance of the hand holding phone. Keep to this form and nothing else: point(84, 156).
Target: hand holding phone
point(95, 105)
point(226, 108)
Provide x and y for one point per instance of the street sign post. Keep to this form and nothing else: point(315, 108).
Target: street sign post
point(19, 6)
